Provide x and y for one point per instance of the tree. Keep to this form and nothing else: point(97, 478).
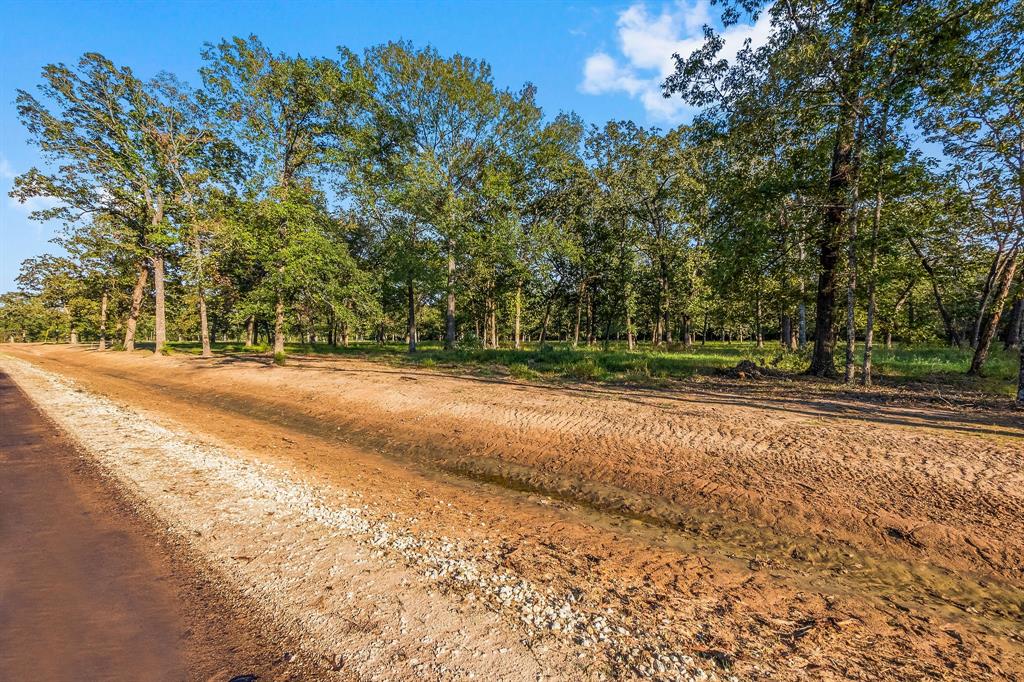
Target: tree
point(981, 127)
point(821, 63)
point(279, 111)
point(438, 121)
point(98, 131)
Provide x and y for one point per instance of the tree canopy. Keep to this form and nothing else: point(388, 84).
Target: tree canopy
point(402, 194)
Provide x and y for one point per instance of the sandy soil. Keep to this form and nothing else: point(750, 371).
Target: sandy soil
point(722, 530)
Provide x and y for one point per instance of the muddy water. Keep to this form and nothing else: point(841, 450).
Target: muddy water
point(827, 566)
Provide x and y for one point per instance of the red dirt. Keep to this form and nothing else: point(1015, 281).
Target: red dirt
point(787, 535)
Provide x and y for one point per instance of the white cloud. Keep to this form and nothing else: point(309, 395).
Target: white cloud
point(601, 74)
point(647, 42)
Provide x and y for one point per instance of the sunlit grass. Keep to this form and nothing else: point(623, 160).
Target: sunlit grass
point(928, 365)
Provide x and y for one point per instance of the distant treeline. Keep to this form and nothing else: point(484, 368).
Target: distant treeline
point(401, 194)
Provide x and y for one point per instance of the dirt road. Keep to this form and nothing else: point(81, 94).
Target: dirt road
point(750, 531)
point(86, 590)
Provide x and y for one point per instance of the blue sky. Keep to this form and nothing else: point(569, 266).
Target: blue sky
point(603, 60)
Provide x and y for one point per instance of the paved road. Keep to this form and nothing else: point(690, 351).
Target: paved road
point(80, 596)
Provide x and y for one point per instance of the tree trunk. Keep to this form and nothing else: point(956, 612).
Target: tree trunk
point(160, 319)
point(786, 333)
point(986, 291)
point(517, 341)
point(1013, 330)
point(279, 325)
point(579, 314)
point(758, 331)
point(136, 307)
point(411, 326)
point(822, 363)
point(72, 334)
point(204, 328)
point(947, 320)
point(869, 329)
point(103, 321)
point(449, 334)
point(841, 181)
point(869, 337)
point(991, 322)
point(250, 331)
point(1020, 379)
point(802, 306)
point(544, 322)
point(630, 334)
point(851, 289)
point(664, 328)
point(627, 304)
point(590, 319)
point(493, 323)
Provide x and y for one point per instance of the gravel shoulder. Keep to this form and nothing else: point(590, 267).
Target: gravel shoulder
point(567, 533)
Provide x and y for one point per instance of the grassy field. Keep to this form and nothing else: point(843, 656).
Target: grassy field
point(939, 365)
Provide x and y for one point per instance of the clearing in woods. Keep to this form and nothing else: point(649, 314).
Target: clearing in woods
point(720, 529)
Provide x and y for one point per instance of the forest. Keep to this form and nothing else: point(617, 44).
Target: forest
point(856, 182)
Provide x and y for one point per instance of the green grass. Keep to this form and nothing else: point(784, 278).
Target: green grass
point(929, 365)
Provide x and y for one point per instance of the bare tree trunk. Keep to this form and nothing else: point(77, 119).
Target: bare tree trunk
point(869, 338)
point(802, 306)
point(991, 322)
point(279, 325)
point(411, 325)
point(579, 314)
point(544, 322)
point(986, 291)
point(250, 331)
point(72, 334)
point(851, 288)
point(104, 299)
point(517, 341)
point(627, 304)
point(758, 331)
point(449, 335)
point(786, 333)
point(493, 323)
point(204, 328)
point(160, 321)
point(136, 307)
point(630, 333)
point(869, 329)
point(590, 319)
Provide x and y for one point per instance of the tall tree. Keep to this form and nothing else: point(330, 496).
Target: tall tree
point(439, 120)
point(95, 125)
point(278, 110)
point(821, 61)
point(981, 126)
